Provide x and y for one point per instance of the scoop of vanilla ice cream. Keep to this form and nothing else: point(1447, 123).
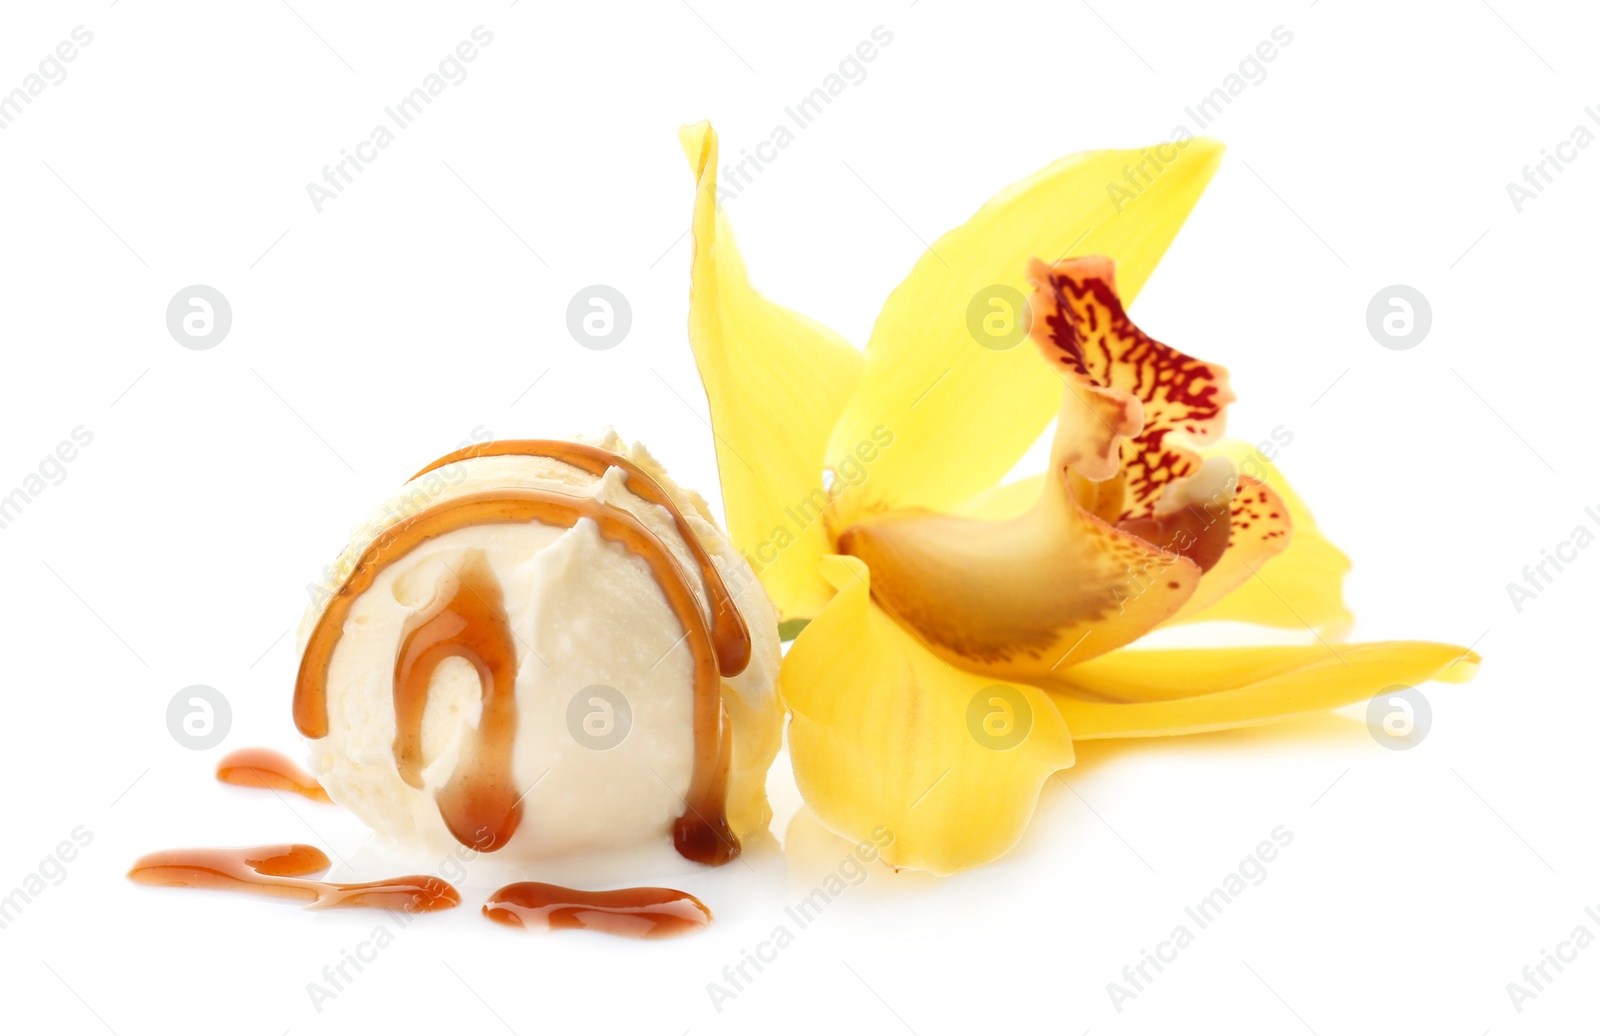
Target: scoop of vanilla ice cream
point(586, 615)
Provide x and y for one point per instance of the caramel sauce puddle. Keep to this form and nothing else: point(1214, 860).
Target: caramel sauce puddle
point(281, 870)
point(643, 913)
point(265, 768)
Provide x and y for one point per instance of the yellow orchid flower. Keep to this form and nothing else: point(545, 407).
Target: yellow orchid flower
point(962, 633)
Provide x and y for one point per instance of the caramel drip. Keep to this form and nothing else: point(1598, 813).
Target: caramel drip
point(480, 803)
point(280, 870)
point(702, 834)
point(264, 768)
point(728, 630)
point(643, 913)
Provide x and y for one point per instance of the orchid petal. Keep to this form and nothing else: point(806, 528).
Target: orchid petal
point(892, 745)
point(1019, 598)
point(1190, 690)
point(1006, 501)
point(962, 406)
point(776, 381)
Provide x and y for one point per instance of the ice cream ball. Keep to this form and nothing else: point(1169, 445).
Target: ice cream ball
point(537, 655)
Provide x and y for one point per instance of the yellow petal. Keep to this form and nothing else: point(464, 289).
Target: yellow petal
point(1007, 501)
point(1256, 583)
point(1019, 599)
point(776, 381)
point(962, 413)
point(1186, 691)
point(939, 767)
point(1014, 498)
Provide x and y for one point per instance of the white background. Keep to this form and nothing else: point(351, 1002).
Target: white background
point(422, 304)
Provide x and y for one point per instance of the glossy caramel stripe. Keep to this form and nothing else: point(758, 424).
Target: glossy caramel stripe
point(480, 803)
point(702, 832)
point(731, 636)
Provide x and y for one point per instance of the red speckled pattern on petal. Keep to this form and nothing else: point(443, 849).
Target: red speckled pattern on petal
point(1080, 326)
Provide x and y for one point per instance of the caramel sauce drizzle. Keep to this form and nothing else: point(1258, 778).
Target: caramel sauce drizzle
point(643, 913)
point(728, 630)
point(280, 870)
point(702, 832)
point(265, 768)
point(480, 803)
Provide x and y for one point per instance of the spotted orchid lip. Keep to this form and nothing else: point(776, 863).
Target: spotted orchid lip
point(945, 604)
point(1013, 598)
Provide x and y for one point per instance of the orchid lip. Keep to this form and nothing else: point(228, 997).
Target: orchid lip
point(1014, 598)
